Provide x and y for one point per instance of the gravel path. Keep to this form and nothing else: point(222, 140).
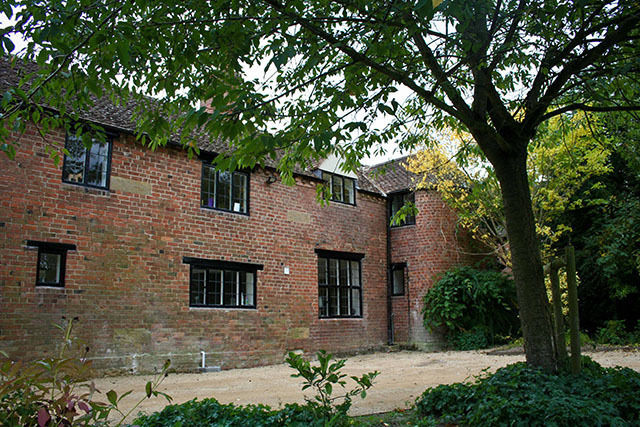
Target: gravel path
point(404, 375)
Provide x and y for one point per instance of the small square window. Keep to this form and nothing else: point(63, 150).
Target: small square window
point(51, 265)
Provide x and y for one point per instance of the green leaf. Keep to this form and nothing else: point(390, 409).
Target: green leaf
point(112, 397)
point(148, 389)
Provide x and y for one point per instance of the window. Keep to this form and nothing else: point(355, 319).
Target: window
point(397, 277)
point(398, 200)
point(222, 283)
point(339, 284)
point(87, 166)
point(227, 191)
point(52, 258)
point(342, 189)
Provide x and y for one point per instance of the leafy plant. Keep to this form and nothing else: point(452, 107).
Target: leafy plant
point(614, 332)
point(54, 392)
point(209, 412)
point(475, 307)
point(517, 394)
point(324, 378)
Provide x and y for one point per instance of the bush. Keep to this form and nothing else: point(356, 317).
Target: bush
point(210, 412)
point(477, 308)
point(54, 391)
point(614, 332)
point(517, 394)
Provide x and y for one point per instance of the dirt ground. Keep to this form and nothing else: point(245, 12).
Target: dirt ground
point(404, 375)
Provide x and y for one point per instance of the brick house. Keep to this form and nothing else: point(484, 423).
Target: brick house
point(161, 256)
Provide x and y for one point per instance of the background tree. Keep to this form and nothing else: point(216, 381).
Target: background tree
point(566, 168)
point(495, 68)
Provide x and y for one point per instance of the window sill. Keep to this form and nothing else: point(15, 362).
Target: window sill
point(224, 211)
point(245, 309)
point(342, 318)
point(394, 227)
point(86, 189)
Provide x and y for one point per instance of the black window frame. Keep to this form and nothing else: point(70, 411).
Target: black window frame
point(404, 197)
point(395, 267)
point(246, 174)
point(350, 287)
point(329, 177)
point(222, 266)
point(109, 137)
point(53, 248)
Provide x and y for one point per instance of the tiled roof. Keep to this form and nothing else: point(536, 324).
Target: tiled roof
point(392, 176)
point(383, 178)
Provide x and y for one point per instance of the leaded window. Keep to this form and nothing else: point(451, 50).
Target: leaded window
point(341, 188)
point(87, 166)
point(223, 190)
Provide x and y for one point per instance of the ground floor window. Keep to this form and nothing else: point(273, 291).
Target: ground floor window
point(397, 276)
point(222, 283)
point(52, 260)
point(339, 284)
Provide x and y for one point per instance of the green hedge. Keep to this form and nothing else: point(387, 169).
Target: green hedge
point(210, 412)
point(519, 395)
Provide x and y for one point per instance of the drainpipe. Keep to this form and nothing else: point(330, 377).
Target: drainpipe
point(390, 337)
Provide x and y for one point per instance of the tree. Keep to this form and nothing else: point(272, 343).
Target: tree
point(495, 68)
point(566, 166)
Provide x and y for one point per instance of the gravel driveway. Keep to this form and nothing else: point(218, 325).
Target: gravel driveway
point(404, 375)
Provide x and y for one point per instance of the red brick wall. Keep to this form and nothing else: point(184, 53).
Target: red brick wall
point(129, 286)
point(430, 247)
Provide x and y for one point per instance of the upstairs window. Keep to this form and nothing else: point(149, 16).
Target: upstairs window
point(226, 191)
point(52, 258)
point(339, 284)
point(222, 283)
point(397, 201)
point(87, 166)
point(342, 188)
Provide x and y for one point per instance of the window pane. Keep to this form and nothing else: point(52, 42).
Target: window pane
point(223, 191)
point(336, 189)
point(97, 168)
point(208, 187)
point(333, 272)
point(49, 268)
point(349, 190)
point(196, 290)
point(74, 162)
point(334, 302)
point(344, 272)
point(322, 271)
point(345, 302)
point(239, 192)
point(323, 302)
point(355, 273)
point(398, 281)
point(246, 289)
point(355, 302)
point(214, 287)
point(396, 203)
point(230, 291)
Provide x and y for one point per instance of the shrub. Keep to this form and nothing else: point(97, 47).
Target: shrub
point(517, 394)
point(323, 378)
point(614, 332)
point(476, 308)
point(54, 392)
point(210, 412)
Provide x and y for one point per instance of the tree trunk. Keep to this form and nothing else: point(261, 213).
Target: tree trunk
point(535, 314)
